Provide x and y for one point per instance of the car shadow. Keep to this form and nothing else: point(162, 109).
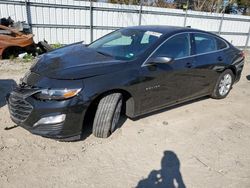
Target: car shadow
point(88, 121)
point(248, 77)
point(6, 86)
point(169, 176)
point(169, 108)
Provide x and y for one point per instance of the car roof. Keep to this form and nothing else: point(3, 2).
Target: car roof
point(170, 30)
point(164, 29)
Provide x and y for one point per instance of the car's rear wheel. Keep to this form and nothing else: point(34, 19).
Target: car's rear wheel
point(223, 85)
point(107, 115)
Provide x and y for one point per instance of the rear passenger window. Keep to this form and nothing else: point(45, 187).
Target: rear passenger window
point(221, 44)
point(204, 43)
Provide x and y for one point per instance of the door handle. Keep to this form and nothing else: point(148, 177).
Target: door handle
point(189, 65)
point(220, 58)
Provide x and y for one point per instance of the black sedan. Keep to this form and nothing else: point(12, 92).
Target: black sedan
point(136, 69)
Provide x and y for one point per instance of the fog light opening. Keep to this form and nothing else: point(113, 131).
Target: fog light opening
point(51, 120)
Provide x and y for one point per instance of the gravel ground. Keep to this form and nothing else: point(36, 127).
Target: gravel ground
point(200, 144)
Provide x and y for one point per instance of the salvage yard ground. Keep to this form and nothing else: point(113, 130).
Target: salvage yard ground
point(200, 144)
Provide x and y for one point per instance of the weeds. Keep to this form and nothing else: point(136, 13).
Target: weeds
point(28, 57)
point(57, 45)
point(12, 57)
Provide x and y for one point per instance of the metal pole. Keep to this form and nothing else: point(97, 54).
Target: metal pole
point(28, 14)
point(185, 19)
point(186, 12)
point(140, 11)
point(248, 37)
point(222, 18)
point(221, 22)
point(91, 20)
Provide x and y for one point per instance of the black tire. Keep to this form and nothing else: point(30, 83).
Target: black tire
point(107, 115)
point(216, 92)
point(44, 46)
point(12, 52)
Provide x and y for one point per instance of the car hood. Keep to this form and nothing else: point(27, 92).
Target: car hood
point(75, 62)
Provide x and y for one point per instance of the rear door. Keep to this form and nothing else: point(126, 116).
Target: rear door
point(209, 57)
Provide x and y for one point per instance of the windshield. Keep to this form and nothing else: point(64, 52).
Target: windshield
point(125, 44)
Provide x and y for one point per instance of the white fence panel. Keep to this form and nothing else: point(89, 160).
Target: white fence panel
point(17, 12)
point(235, 39)
point(235, 26)
point(203, 20)
point(68, 21)
point(164, 18)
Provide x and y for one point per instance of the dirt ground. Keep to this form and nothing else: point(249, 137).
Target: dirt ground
point(200, 144)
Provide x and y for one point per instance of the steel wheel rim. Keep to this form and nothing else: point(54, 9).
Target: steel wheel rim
point(225, 84)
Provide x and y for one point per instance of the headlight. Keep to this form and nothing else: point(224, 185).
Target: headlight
point(56, 94)
point(35, 62)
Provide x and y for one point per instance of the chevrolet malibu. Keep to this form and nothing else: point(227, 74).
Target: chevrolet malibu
point(136, 70)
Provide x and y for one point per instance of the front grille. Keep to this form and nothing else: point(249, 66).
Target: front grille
point(19, 108)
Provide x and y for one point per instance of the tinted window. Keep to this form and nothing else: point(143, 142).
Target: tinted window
point(121, 41)
point(149, 37)
point(221, 44)
point(125, 43)
point(176, 47)
point(204, 43)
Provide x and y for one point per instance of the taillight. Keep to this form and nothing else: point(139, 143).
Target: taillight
point(242, 54)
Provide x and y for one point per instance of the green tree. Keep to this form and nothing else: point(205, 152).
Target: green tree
point(164, 3)
point(245, 4)
point(199, 5)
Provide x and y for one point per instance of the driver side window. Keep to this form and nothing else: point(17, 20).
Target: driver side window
point(175, 47)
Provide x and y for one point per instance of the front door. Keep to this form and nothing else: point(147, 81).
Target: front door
point(167, 83)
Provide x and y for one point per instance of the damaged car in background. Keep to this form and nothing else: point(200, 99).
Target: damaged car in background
point(16, 38)
point(134, 70)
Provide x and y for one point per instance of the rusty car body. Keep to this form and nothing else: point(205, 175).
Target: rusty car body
point(13, 42)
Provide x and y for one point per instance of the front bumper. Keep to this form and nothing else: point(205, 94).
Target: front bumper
point(25, 111)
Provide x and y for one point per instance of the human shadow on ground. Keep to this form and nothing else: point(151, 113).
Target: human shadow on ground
point(169, 176)
point(6, 86)
point(248, 77)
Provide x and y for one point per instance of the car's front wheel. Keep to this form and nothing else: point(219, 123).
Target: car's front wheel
point(223, 85)
point(107, 115)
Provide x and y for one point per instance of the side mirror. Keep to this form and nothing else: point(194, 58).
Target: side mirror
point(156, 60)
